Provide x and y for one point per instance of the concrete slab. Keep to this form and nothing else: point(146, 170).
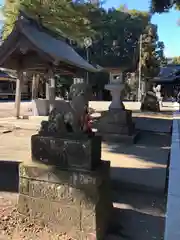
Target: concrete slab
point(143, 164)
point(16, 145)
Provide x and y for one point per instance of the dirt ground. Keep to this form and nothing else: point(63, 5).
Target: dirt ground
point(17, 227)
point(137, 216)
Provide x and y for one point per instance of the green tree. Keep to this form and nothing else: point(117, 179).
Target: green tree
point(160, 6)
point(65, 17)
point(152, 52)
point(117, 41)
point(117, 38)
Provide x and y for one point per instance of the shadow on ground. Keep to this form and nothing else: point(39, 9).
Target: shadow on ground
point(9, 176)
point(139, 179)
point(137, 216)
point(131, 224)
point(150, 147)
point(148, 123)
point(161, 113)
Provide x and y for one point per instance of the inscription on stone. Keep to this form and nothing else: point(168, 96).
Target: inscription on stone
point(82, 179)
point(67, 153)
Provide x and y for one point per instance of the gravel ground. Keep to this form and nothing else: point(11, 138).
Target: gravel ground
point(137, 216)
point(17, 227)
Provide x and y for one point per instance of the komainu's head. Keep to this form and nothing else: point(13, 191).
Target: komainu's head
point(80, 89)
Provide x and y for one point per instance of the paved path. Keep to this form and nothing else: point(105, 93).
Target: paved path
point(145, 160)
point(142, 164)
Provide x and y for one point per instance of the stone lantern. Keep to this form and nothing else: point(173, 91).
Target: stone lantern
point(115, 87)
point(116, 123)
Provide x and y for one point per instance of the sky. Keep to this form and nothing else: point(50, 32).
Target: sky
point(168, 30)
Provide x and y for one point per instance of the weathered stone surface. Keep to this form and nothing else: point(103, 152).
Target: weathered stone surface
point(80, 206)
point(68, 153)
point(150, 102)
point(24, 185)
point(66, 117)
point(55, 215)
point(116, 125)
point(116, 122)
point(75, 178)
point(64, 194)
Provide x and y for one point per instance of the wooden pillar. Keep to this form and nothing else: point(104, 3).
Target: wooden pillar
point(47, 89)
point(19, 83)
point(35, 83)
point(51, 91)
point(33, 92)
point(35, 88)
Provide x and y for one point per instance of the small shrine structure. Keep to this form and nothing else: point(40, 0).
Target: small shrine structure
point(33, 48)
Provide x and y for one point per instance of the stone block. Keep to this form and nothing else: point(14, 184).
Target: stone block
point(116, 125)
point(116, 122)
point(76, 202)
point(24, 185)
point(56, 216)
point(74, 178)
point(67, 153)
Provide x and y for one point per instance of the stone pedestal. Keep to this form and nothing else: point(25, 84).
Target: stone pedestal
point(74, 202)
point(117, 124)
point(67, 186)
point(67, 152)
point(115, 90)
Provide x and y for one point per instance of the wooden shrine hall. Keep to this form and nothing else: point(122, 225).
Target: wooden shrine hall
point(33, 48)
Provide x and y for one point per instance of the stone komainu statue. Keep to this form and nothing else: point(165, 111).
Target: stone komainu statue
point(150, 102)
point(66, 117)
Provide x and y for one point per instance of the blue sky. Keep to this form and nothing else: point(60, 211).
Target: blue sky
point(168, 30)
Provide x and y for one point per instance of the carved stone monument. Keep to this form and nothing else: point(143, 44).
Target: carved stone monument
point(116, 124)
point(67, 186)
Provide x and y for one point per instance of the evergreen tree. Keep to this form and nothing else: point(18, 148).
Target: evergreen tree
point(65, 17)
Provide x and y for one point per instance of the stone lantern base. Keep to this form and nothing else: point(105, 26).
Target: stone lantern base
point(117, 125)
